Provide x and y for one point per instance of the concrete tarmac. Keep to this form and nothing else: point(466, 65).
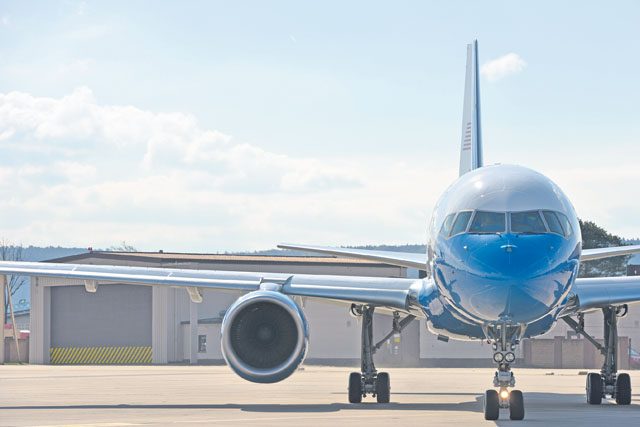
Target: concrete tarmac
point(109, 396)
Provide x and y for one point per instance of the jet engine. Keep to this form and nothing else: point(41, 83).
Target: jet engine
point(264, 336)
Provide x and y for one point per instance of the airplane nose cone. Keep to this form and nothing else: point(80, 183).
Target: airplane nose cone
point(516, 277)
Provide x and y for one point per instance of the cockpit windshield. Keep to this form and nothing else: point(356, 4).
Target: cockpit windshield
point(527, 222)
point(488, 222)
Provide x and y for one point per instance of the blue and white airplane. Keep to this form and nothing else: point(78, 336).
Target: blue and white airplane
point(501, 266)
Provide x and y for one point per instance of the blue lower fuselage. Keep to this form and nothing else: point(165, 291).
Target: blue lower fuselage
point(484, 279)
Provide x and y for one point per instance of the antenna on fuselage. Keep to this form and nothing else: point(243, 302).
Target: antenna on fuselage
point(471, 141)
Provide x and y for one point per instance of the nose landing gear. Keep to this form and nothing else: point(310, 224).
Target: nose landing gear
point(503, 398)
point(504, 379)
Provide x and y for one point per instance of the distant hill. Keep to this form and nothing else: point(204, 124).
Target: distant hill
point(34, 253)
point(411, 248)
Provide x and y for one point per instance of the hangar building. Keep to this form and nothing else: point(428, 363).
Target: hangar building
point(121, 323)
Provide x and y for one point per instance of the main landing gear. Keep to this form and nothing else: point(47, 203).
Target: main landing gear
point(608, 382)
point(505, 339)
point(369, 380)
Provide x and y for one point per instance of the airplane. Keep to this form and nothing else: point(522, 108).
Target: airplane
point(501, 266)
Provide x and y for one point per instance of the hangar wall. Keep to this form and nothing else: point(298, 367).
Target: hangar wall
point(122, 323)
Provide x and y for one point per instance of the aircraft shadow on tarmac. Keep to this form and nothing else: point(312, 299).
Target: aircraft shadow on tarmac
point(534, 401)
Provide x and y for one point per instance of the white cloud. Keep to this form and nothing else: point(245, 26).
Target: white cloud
point(503, 66)
point(76, 172)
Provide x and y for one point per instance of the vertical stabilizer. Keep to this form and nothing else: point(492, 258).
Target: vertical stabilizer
point(471, 141)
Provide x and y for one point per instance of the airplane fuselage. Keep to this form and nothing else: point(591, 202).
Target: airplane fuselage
point(504, 248)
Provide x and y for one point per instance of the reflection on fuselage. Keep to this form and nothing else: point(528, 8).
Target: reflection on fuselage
point(504, 246)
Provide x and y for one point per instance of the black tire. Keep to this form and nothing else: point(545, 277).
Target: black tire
point(355, 387)
point(383, 388)
point(594, 389)
point(491, 405)
point(623, 389)
point(516, 405)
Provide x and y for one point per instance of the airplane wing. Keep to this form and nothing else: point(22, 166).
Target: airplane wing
point(402, 259)
point(397, 293)
point(598, 253)
point(600, 292)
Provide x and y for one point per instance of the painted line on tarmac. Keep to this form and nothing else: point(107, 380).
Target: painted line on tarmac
point(291, 418)
point(90, 425)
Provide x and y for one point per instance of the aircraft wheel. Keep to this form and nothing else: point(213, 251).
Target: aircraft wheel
point(594, 389)
point(383, 388)
point(623, 389)
point(355, 387)
point(491, 405)
point(516, 405)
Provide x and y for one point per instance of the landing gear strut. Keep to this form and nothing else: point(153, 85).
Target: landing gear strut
point(369, 380)
point(608, 382)
point(505, 339)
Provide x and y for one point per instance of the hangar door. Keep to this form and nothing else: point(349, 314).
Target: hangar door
point(110, 326)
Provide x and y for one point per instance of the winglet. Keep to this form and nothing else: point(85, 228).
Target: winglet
point(471, 141)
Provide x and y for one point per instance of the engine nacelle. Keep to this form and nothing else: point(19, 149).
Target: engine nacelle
point(264, 336)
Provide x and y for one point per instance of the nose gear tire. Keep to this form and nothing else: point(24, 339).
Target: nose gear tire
point(516, 405)
point(491, 405)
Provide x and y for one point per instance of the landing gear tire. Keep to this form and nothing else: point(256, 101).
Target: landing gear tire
point(623, 389)
point(491, 405)
point(594, 389)
point(516, 405)
point(355, 387)
point(383, 388)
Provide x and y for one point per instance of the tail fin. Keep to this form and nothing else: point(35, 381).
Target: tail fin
point(471, 144)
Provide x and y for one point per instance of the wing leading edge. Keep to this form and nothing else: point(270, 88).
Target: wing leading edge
point(599, 253)
point(396, 293)
point(600, 292)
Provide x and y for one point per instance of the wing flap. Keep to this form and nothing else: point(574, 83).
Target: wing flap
point(402, 259)
point(391, 292)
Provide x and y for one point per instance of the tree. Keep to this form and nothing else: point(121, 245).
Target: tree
point(11, 252)
point(594, 236)
point(123, 247)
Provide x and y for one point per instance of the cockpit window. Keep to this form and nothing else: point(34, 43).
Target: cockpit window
point(528, 222)
point(553, 222)
point(488, 222)
point(446, 225)
point(566, 225)
point(460, 224)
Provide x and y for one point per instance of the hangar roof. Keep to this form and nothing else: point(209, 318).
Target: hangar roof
point(179, 257)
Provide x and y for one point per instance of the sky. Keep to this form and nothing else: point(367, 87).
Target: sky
point(224, 126)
